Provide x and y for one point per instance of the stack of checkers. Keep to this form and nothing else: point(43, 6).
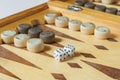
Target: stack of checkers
point(63, 54)
point(87, 28)
point(88, 4)
point(31, 36)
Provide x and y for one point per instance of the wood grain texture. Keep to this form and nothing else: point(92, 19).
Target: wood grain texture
point(94, 59)
point(112, 72)
point(4, 71)
point(4, 53)
point(6, 77)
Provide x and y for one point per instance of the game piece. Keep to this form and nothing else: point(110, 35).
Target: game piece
point(60, 58)
point(74, 25)
point(20, 40)
point(87, 28)
point(111, 10)
point(100, 8)
point(34, 32)
point(89, 5)
point(108, 1)
point(47, 36)
point(118, 13)
point(23, 28)
point(50, 18)
point(74, 8)
point(35, 22)
point(102, 32)
point(61, 21)
point(81, 2)
point(35, 45)
point(8, 36)
point(70, 50)
point(60, 55)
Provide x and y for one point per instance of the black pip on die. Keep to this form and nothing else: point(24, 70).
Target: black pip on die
point(63, 54)
point(60, 55)
point(70, 50)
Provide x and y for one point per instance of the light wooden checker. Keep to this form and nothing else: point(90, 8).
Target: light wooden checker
point(95, 59)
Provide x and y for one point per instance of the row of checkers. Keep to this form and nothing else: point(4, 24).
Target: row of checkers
point(88, 28)
point(87, 4)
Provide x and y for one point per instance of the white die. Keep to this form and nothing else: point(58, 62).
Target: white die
point(70, 50)
point(60, 58)
point(70, 47)
point(60, 55)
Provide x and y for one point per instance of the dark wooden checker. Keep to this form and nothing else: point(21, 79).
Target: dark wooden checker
point(94, 59)
point(115, 5)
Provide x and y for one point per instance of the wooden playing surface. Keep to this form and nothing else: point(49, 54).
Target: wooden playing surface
point(94, 60)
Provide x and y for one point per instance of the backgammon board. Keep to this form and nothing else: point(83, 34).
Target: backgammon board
point(94, 60)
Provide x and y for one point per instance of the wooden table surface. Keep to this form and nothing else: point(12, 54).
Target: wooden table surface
point(94, 60)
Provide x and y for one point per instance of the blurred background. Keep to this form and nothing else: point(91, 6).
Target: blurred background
point(10, 7)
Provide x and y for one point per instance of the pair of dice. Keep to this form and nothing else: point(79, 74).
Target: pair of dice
point(63, 54)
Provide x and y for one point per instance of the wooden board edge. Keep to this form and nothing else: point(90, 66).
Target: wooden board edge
point(23, 14)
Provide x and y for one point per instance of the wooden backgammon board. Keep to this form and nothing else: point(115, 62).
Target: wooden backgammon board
point(94, 59)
